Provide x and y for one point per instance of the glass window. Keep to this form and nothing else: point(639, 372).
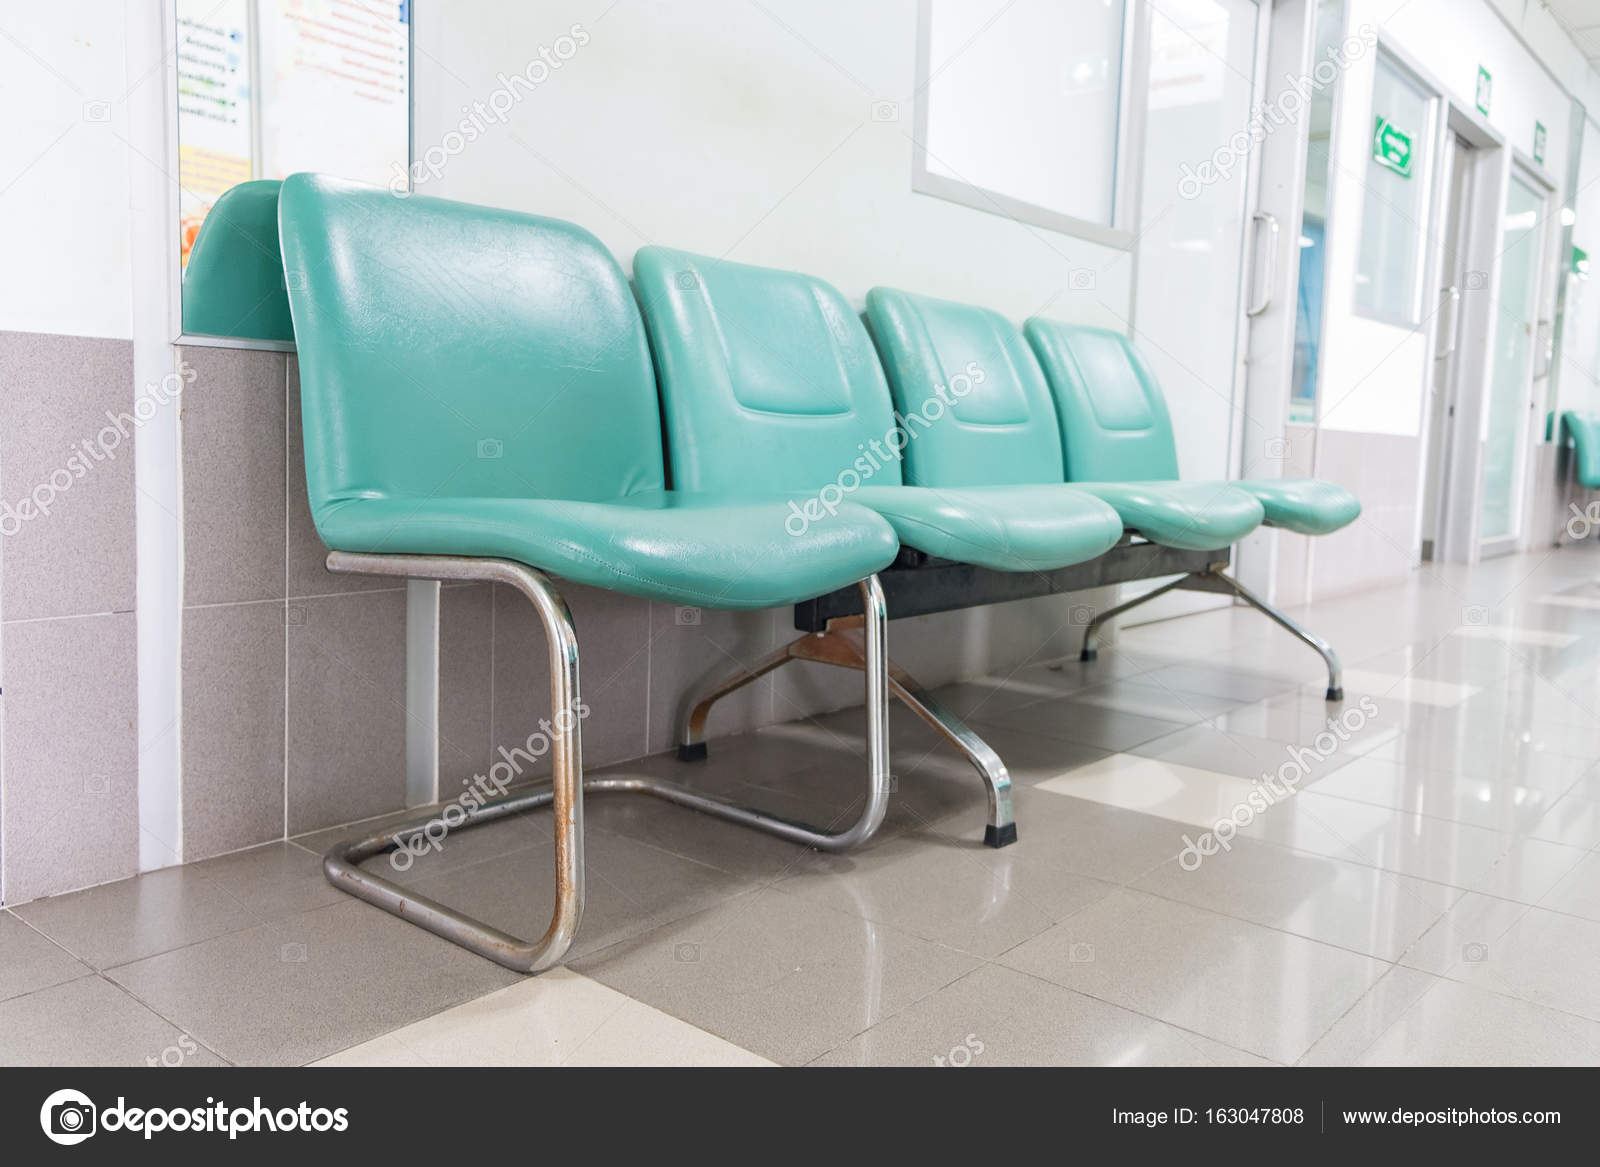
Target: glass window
point(1395, 201)
point(1022, 102)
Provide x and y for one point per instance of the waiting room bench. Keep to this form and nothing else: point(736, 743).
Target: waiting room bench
point(773, 485)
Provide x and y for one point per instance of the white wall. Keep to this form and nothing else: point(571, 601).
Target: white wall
point(64, 169)
point(736, 130)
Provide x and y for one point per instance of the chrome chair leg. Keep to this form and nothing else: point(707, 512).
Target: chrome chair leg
point(1217, 581)
point(1002, 826)
point(1091, 648)
point(1324, 649)
point(567, 787)
point(839, 646)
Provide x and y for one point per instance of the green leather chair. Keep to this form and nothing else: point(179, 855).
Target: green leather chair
point(479, 404)
point(234, 282)
point(1115, 427)
point(771, 372)
point(1582, 432)
point(1003, 425)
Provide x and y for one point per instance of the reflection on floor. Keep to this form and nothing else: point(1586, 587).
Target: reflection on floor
point(1208, 872)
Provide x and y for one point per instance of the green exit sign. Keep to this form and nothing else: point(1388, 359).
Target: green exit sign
point(1391, 147)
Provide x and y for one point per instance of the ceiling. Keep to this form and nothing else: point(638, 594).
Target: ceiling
point(1581, 20)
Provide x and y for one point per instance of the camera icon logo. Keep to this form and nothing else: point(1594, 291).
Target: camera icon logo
point(884, 110)
point(68, 1117)
point(1475, 952)
point(97, 111)
point(1081, 279)
point(491, 448)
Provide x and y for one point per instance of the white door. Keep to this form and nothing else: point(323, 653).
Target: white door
point(1194, 230)
point(1506, 417)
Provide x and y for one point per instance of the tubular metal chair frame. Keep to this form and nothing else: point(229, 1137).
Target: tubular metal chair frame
point(568, 786)
point(1215, 579)
point(840, 644)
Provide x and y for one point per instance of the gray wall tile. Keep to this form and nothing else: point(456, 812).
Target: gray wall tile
point(233, 719)
point(613, 641)
point(692, 647)
point(233, 476)
point(346, 708)
point(79, 558)
point(466, 674)
point(71, 750)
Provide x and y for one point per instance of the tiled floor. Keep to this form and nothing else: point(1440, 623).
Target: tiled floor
point(1422, 885)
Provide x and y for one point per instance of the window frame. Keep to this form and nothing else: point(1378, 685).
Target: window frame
point(1133, 85)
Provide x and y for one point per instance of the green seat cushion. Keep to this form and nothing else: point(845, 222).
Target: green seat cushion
point(1194, 516)
point(1307, 506)
point(1007, 528)
point(662, 545)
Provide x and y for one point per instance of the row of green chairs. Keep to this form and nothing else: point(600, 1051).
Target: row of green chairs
point(485, 397)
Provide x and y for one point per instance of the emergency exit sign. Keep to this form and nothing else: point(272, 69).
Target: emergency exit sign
point(1391, 147)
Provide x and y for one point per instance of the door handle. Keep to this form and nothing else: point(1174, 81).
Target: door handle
point(1271, 278)
point(1451, 308)
point(1544, 341)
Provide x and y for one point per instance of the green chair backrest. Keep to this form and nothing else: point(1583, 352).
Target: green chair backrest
point(233, 284)
point(1114, 421)
point(975, 400)
point(455, 350)
point(1583, 431)
point(768, 379)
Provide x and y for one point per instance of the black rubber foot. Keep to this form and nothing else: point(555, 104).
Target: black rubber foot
point(694, 753)
point(1089, 654)
point(1004, 837)
point(1335, 694)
